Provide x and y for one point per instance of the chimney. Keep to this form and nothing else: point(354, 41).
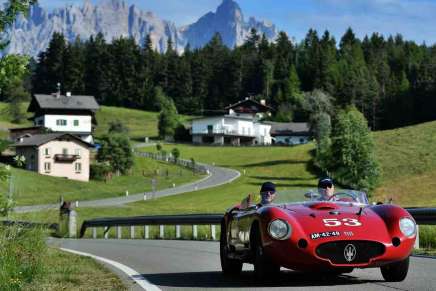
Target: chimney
point(58, 93)
point(263, 102)
point(68, 94)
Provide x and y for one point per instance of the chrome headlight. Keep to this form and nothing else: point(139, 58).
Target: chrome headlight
point(407, 227)
point(279, 229)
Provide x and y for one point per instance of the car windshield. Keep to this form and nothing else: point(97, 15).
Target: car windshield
point(339, 196)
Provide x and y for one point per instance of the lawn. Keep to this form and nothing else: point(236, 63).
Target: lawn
point(140, 123)
point(31, 188)
point(408, 162)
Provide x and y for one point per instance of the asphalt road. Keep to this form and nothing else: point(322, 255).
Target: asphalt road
point(188, 265)
point(217, 176)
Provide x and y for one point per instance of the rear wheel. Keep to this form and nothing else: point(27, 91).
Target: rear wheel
point(228, 266)
point(395, 272)
point(264, 268)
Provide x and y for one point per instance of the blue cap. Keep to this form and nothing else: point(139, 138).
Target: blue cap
point(325, 183)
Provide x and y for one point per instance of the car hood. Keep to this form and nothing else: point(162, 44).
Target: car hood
point(327, 220)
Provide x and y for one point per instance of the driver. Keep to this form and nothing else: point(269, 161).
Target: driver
point(326, 189)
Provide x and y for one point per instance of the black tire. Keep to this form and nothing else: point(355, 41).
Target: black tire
point(395, 272)
point(228, 266)
point(264, 268)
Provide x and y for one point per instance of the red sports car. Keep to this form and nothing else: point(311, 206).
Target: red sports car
point(333, 236)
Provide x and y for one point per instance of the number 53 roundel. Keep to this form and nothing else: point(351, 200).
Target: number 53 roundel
point(344, 221)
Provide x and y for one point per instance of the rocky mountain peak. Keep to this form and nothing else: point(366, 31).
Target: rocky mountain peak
point(114, 18)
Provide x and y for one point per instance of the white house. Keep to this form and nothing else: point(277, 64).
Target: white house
point(292, 133)
point(65, 114)
point(239, 127)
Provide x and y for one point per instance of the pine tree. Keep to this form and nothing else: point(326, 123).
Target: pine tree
point(74, 64)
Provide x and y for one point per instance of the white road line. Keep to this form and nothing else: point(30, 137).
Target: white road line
point(138, 278)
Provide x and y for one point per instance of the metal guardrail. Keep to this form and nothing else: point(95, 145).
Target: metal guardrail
point(161, 220)
point(422, 216)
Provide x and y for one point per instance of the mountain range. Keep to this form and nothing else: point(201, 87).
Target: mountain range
point(114, 18)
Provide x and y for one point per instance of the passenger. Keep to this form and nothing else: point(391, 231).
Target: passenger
point(326, 189)
point(267, 193)
point(267, 196)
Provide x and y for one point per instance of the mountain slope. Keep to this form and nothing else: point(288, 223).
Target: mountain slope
point(114, 19)
point(408, 162)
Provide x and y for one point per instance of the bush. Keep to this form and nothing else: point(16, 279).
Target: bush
point(116, 151)
point(22, 254)
point(118, 127)
point(176, 154)
point(100, 171)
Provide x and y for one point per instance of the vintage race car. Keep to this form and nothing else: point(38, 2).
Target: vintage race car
point(331, 237)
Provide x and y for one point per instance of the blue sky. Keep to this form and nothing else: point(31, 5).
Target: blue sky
point(414, 19)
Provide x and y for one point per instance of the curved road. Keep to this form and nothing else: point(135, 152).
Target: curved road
point(187, 265)
point(217, 176)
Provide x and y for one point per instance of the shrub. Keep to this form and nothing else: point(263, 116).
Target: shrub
point(116, 150)
point(100, 171)
point(118, 127)
point(176, 154)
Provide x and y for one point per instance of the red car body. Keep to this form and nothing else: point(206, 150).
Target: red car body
point(333, 236)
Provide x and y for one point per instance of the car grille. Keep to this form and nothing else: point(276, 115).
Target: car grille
point(364, 250)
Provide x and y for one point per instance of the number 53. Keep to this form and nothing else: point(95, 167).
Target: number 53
point(344, 221)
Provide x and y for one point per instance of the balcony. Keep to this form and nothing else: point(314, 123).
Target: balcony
point(226, 132)
point(66, 158)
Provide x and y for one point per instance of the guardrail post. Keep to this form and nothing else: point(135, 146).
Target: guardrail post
point(146, 232)
point(194, 232)
point(106, 232)
point(119, 232)
point(416, 246)
point(94, 233)
point(161, 231)
point(132, 232)
point(213, 232)
point(178, 231)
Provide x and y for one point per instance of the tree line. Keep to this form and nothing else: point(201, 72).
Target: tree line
point(390, 80)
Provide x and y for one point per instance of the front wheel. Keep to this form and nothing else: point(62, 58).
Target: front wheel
point(395, 272)
point(228, 266)
point(264, 268)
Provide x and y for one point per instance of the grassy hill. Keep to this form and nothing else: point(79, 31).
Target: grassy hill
point(408, 161)
point(140, 123)
point(31, 188)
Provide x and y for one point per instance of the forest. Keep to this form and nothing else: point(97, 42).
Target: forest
point(389, 79)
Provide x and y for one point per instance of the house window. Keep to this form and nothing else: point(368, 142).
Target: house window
point(76, 122)
point(47, 151)
point(47, 167)
point(77, 152)
point(65, 151)
point(78, 168)
point(61, 122)
point(210, 129)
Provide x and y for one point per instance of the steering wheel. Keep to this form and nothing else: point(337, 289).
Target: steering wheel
point(350, 197)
